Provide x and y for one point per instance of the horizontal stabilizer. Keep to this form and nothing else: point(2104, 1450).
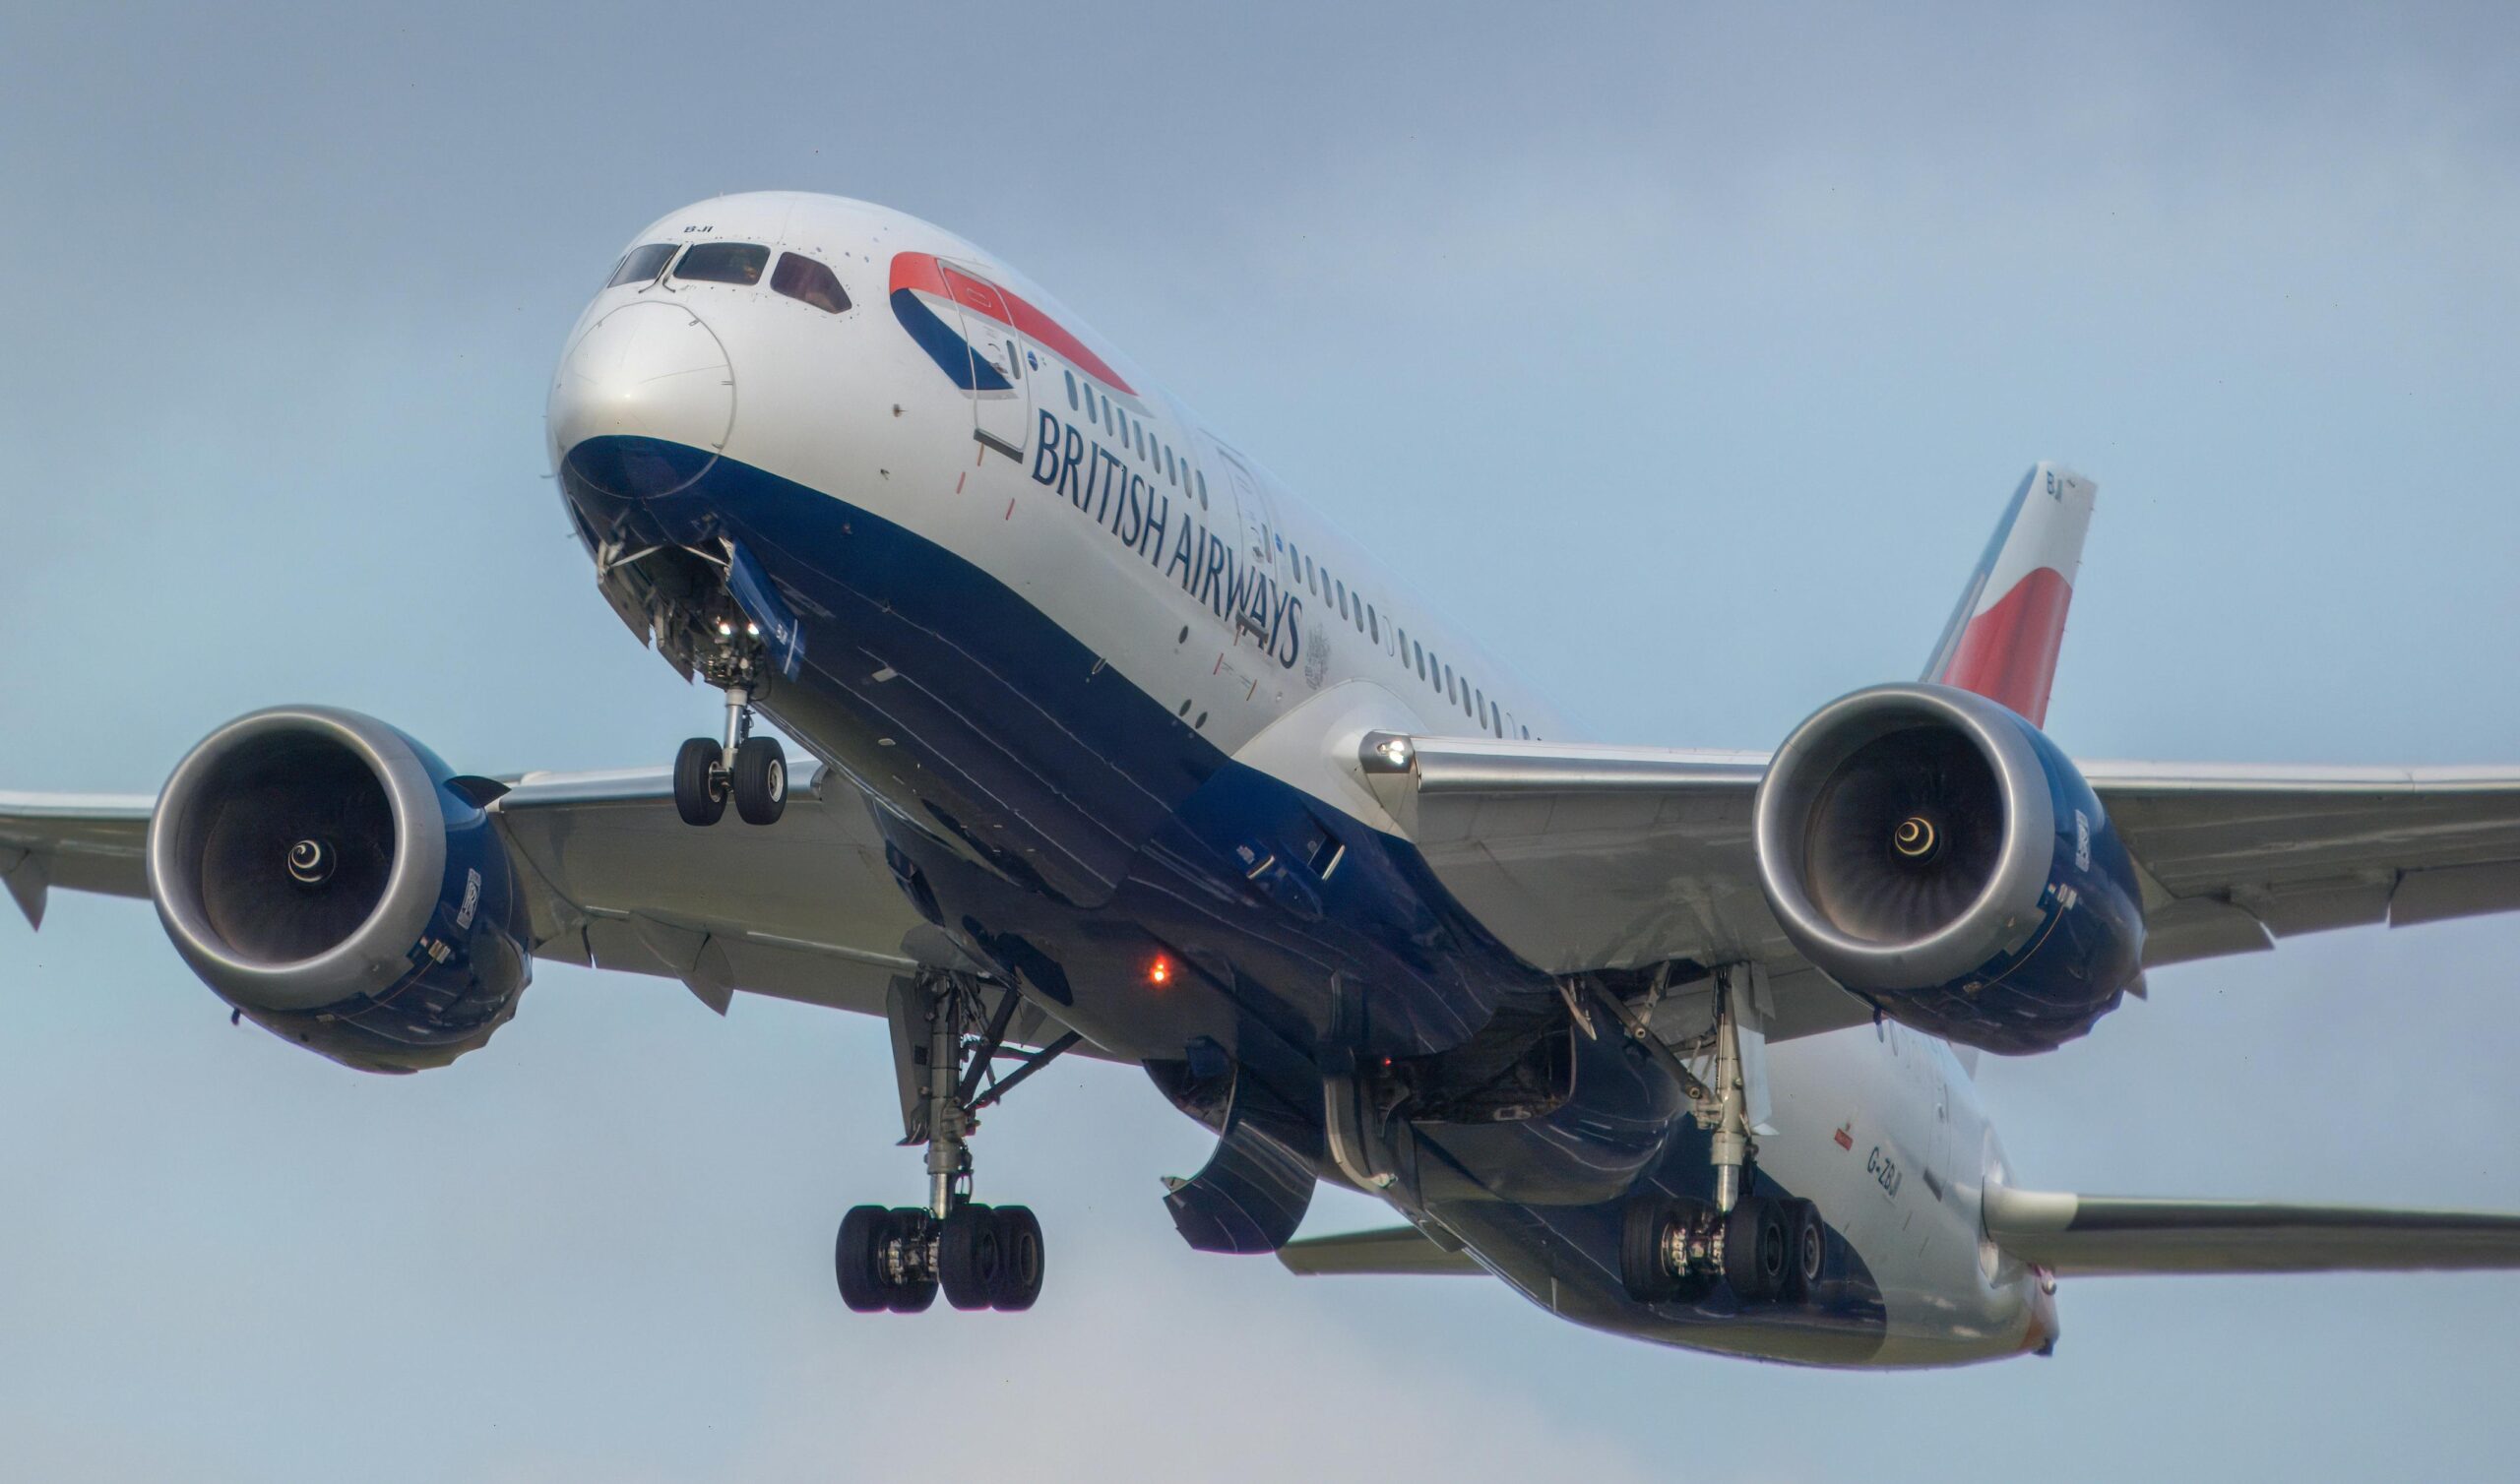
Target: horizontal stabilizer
point(2090, 1236)
point(1396, 1251)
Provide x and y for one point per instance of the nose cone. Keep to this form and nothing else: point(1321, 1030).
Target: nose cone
point(644, 401)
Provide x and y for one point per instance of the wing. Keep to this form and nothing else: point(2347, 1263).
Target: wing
point(2096, 1235)
point(2235, 857)
point(1582, 857)
point(83, 842)
point(804, 910)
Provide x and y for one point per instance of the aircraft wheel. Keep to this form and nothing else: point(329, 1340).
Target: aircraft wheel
point(760, 780)
point(697, 795)
point(1019, 1242)
point(912, 1227)
point(858, 1258)
point(1756, 1249)
point(1807, 1252)
point(970, 1257)
point(1642, 1238)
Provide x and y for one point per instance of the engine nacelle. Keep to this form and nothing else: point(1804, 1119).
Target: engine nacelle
point(1933, 852)
point(319, 870)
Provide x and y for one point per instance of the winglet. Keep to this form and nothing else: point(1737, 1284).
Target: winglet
point(2003, 635)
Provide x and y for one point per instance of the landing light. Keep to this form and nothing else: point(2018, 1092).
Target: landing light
point(752, 631)
point(1160, 972)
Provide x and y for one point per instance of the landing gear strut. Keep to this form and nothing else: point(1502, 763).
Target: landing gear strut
point(756, 777)
point(1671, 1251)
point(979, 1256)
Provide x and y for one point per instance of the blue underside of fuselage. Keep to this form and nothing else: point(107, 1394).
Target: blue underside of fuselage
point(1062, 824)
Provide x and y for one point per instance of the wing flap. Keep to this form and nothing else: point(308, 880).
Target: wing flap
point(2093, 1236)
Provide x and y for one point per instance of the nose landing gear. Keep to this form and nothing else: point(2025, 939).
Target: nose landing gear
point(752, 771)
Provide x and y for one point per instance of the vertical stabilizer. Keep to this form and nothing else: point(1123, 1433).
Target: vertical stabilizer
point(2003, 635)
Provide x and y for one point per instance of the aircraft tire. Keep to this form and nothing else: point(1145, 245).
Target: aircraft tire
point(760, 777)
point(970, 1257)
point(1756, 1249)
point(1806, 1252)
point(862, 1233)
point(1019, 1240)
point(694, 769)
point(1649, 1279)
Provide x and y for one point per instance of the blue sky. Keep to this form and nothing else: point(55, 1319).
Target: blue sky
point(1689, 349)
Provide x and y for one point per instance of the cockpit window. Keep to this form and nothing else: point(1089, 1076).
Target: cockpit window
point(642, 265)
point(722, 263)
point(801, 277)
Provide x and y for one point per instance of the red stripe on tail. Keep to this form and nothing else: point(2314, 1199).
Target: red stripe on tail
point(2008, 652)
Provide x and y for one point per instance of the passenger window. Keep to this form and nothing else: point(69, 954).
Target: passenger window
point(802, 278)
point(1071, 388)
point(1373, 625)
point(641, 264)
point(1203, 491)
point(722, 263)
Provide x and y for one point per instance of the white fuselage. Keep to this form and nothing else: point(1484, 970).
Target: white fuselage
point(1284, 654)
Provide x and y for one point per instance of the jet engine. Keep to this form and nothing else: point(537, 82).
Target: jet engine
point(1933, 852)
point(340, 885)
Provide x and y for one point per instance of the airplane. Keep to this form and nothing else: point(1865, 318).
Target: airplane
point(1116, 748)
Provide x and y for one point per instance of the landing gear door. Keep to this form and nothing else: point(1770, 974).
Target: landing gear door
point(1001, 378)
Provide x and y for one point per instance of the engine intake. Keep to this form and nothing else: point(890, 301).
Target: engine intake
point(316, 869)
point(1932, 851)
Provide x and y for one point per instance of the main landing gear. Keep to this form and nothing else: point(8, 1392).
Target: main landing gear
point(756, 777)
point(979, 1256)
point(1673, 1250)
point(1767, 1249)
